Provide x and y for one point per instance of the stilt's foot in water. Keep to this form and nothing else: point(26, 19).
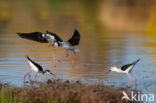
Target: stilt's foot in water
point(130, 80)
point(136, 85)
point(72, 66)
point(66, 53)
point(58, 60)
point(36, 82)
point(130, 83)
point(54, 66)
point(73, 61)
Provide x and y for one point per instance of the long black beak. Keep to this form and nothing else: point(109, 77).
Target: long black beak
point(52, 74)
point(108, 71)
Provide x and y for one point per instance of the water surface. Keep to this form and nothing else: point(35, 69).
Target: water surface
point(105, 41)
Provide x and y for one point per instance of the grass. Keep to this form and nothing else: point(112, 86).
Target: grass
point(62, 92)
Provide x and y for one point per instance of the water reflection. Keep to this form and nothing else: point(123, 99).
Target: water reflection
point(111, 34)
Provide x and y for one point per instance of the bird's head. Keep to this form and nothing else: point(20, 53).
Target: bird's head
point(113, 68)
point(43, 35)
point(46, 35)
point(49, 72)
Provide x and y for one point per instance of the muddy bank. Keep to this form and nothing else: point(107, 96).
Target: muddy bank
point(58, 91)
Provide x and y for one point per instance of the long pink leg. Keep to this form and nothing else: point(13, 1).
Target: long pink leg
point(35, 78)
point(26, 75)
point(129, 79)
point(54, 57)
point(73, 61)
point(66, 53)
point(134, 79)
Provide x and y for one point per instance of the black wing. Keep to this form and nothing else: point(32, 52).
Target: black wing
point(35, 36)
point(57, 38)
point(37, 65)
point(74, 40)
point(128, 65)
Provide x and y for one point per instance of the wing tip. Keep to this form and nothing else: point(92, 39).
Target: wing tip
point(27, 57)
point(139, 59)
point(20, 34)
point(76, 31)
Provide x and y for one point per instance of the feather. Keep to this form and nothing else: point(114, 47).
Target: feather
point(75, 39)
point(35, 36)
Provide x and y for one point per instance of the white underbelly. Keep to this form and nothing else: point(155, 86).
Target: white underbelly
point(33, 67)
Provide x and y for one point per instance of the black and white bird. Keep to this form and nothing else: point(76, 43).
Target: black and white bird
point(54, 40)
point(36, 68)
point(126, 69)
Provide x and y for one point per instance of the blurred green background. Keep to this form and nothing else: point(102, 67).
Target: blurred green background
point(88, 15)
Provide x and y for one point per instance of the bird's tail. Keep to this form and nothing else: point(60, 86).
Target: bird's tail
point(27, 57)
point(136, 61)
point(76, 50)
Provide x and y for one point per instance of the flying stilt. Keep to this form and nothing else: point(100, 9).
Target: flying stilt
point(69, 45)
point(127, 69)
point(37, 68)
point(55, 41)
point(39, 37)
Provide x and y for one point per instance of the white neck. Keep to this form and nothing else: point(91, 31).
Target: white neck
point(115, 69)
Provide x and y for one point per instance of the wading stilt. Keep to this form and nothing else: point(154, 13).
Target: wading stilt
point(127, 69)
point(36, 68)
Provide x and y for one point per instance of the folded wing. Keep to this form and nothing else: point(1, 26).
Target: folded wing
point(34, 65)
point(129, 65)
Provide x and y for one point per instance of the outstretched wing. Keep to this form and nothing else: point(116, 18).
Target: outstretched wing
point(34, 65)
point(75, 39)
point(124, 67)
point(35, 36)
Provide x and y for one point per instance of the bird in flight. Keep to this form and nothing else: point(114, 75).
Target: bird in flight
point(55, 41)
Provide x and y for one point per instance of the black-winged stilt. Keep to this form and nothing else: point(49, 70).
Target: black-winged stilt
point(127, 69)
point(37, 68)
point(55, 41)
point(67, 45)
point(40, 37)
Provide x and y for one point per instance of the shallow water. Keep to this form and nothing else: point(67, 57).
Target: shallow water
point(101, 45)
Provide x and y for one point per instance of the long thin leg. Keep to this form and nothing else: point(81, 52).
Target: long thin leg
point(73, 61)
point(54, 56)
point(35, 78)
point(135, 79)
point(129, 79)
point(66, 53)
point(26, 75)
point(54, 50)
